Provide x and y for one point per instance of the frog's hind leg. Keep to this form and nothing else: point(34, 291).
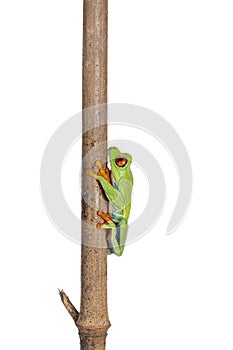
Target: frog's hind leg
point(115, 235)
point(106, 218)
point(114, 240)
point(111, 230)
point(118, 238)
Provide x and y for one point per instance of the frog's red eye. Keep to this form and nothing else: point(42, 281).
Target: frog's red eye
point(121, 162)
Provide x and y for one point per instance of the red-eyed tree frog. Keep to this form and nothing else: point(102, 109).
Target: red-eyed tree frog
point(117, 184)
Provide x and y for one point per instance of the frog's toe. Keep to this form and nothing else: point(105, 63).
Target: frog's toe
point(98, 164)
point(109, 251)
point(91, 173)
point(100, 224)
point(106, 217)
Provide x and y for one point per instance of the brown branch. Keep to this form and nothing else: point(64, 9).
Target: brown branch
point(93, 321)
point(68, 305)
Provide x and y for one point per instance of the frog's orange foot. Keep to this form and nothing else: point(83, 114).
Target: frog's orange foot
point(91, 173)
point(98, 164)
point(102, 171)
point(100, 224)
point(106, 217)
point(105, 225)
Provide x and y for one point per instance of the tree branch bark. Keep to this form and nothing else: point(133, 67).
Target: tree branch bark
point(93, 321)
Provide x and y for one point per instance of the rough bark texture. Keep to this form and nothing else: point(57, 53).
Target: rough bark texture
point(93, 321)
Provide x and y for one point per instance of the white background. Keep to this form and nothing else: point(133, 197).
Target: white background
point(174, 57)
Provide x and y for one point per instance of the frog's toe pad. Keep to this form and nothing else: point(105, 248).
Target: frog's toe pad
point(98, 164)
point(91, 173)
point(109, 251)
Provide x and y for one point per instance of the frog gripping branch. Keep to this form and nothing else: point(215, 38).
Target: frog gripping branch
point(106, 192)
point(117, 185)
point(92, 320)
point(108, 236)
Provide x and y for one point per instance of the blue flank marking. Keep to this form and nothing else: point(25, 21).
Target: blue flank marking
point(118, 226)
point(118, 233)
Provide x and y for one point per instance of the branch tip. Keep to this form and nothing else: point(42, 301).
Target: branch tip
point(68, 305)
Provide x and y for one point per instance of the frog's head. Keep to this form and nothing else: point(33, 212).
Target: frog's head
point(120, 163)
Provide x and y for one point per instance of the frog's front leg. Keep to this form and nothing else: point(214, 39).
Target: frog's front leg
point(102, 172)
point(113, 194)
